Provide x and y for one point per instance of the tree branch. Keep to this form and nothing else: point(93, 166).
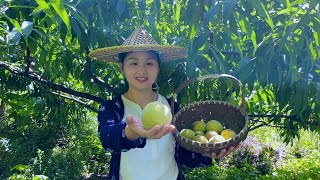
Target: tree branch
point(272, 116)
point(28, 61)
point(75, 100)
point(39, 79)
point(263, 123)
point(3, 109)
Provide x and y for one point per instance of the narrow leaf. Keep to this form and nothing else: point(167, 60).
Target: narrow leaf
point(288, 3)
point(46, 8)
point(228, 8)
point(193, 32)
point(39, 177)
point(19, 167)
point(142, 5)
point(262, 11)
point(253, 38)
point(60, 9)
point(75, 27)
point(312, 51)
point(209, 15)
point(316, 37)
point(121, 6)
point(15, 23)
point(80, 18)
point(177, 12)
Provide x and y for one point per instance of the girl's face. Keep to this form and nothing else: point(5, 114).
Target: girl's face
point(141, 69)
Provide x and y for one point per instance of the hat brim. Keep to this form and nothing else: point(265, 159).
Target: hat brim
point(167, 53)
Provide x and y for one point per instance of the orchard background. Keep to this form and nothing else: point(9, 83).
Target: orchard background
point(50, 90)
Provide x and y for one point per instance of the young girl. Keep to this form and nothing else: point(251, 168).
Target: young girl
point(138, 153)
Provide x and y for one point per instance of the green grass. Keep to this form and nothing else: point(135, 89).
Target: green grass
point(301, 159)
point(308, 140)
point(297, 160)
point(266, 158)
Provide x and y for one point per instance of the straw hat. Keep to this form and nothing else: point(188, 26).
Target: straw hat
point(139, 40)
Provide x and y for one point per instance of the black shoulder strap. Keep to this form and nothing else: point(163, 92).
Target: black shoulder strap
point(176, 106)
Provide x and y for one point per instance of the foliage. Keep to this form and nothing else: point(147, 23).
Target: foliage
point(272, 47)
point(304, 168)
point(75, 155)
point(281, 161)
point(49, 86)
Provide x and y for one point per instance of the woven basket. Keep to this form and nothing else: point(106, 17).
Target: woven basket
point(230, 116)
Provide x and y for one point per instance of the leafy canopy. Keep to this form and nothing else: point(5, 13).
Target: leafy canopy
point(47, 79)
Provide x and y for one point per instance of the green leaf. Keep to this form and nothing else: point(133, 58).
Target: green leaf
point(121, 7)
point(262, 11)
point(253, 38)
point(46, 8)
point(191, 67)
point(39, 177)
point(228, 8)
point(301, 96)
point(142, 5)
point(284, 11)
point(316, 37)
point(19, 167)
point(243, 62)
point(80, 17)
point(318, 87)
point(36, 11)
point(209, 15)
point(13, 37)
point(177, 12)
point(157, 4)
point(14, 22)
point(312, 51)
point(288, 3)
point(41, 34)
point(193, 32)
point(243, 26)
point(27, 27)
point(246, 28)
point(75, 27)
point(199, 41)
point(60, 9)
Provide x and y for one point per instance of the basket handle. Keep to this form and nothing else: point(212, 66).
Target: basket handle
point(209, 76)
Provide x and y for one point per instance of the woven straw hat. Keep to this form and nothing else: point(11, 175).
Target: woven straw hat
point(139, 40)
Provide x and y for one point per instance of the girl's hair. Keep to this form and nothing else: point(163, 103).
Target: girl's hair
point(122, 56)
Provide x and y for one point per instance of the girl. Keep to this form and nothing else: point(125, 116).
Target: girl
point(138, 153)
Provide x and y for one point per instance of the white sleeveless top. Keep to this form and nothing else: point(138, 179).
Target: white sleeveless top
point(153, 162)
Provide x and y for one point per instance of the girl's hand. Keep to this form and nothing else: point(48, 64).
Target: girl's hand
point(134, 129)
point(224, 152)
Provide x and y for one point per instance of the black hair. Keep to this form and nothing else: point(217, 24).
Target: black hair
point(122, 56)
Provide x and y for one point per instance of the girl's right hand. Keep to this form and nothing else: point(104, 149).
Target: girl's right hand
point(134, 129)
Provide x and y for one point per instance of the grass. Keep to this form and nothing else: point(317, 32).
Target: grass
point(308, 140)
point(265, 156)
point(301, 159)
point(297, 160)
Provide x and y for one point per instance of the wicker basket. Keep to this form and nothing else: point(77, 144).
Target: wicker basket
point(230, 116)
